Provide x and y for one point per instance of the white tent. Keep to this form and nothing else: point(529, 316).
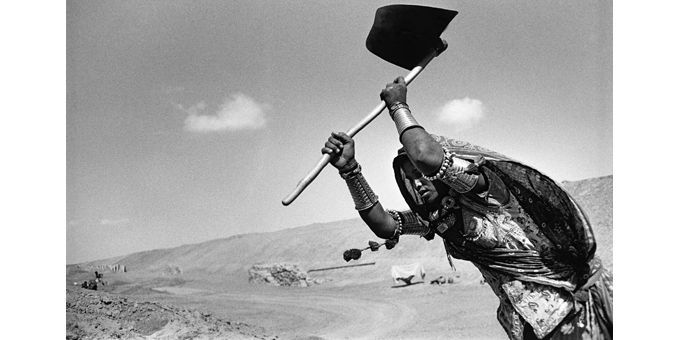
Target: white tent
point(408, 274)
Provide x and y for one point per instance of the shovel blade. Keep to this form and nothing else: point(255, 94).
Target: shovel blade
point(404, 34)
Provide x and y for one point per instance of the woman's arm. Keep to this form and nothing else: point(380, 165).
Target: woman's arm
point(341, 149)
point(381, 223)
point(386, 224)
point(423, 151)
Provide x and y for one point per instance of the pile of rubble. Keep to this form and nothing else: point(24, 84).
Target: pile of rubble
point(97, 315)
point(280, 274)
point(454, 278)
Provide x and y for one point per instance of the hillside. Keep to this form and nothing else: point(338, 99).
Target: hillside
point(321, 245)
point(595, 196)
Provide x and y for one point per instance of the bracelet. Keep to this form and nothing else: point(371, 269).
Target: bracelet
point(412, 224)
point(354, 171)
point(446, 163)
point(404, 120)
point(455, 169)
point(361, 192)
point(464, 182)
point(397, 217)
point(396, 106)
point(349, 167)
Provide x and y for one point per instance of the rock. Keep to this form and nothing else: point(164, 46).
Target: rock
point(109, 316)
point(278, 275)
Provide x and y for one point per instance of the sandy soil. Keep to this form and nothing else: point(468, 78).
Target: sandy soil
point(212, 306)
point(372, 311)
point(100, 315)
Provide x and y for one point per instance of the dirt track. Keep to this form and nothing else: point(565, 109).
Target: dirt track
point(231, 308)
point(377, 310)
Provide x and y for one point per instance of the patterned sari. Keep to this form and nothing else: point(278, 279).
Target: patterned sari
point(530, 240)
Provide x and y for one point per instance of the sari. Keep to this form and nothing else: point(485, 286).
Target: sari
point(530, 240)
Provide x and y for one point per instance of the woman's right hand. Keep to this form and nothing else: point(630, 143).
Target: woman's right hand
point(340, 147)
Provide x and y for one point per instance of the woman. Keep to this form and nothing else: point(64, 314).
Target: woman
point(529, 239)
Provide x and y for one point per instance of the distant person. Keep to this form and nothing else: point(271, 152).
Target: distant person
point(532, 243)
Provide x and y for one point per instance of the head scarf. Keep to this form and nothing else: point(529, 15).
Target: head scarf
point(408, 189)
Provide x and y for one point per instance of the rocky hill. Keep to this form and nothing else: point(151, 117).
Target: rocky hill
point(322, 244)
point(595, 196)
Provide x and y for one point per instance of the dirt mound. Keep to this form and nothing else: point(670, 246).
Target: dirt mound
point(98, 315)
point(280, 274)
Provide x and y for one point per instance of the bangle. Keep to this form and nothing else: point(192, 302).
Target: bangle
point(396, 106)
point(361, 192)
point(350, 167)
point(446, 163)
point(412, 225)
point(397, 217)
point(351, 173)
point(404, 120)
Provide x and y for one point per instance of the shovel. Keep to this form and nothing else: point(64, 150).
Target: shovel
point(404, 35)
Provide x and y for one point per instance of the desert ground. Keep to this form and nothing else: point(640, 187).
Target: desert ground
point(203, 290)
point(374, 310)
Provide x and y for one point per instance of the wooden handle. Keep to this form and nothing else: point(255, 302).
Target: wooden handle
point(353, 131)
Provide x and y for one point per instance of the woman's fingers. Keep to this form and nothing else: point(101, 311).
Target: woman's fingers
point(336, 142)
point(342, 137)
point(334, 145)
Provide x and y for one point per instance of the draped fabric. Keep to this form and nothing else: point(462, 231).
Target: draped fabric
point(535, 247)
point(555, 212)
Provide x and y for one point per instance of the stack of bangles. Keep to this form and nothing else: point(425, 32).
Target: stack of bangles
point(402, 117)
point(361, 192)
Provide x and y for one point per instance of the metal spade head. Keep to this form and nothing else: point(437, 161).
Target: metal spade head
point(405, 34)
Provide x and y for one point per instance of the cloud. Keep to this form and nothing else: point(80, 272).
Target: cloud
point(117, 222)
point(462, 113)
point(237, 112)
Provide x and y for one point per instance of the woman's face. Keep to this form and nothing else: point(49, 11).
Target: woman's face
point(425, 188)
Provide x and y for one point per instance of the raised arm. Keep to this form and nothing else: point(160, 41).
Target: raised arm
point(341, 149)
point(423, 151)
point(385, 223)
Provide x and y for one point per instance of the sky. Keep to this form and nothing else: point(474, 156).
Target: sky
point(188, 121)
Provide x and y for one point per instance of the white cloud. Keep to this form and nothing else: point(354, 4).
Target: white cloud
point(238, 112)
point(462, 113)
point(120, 221)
